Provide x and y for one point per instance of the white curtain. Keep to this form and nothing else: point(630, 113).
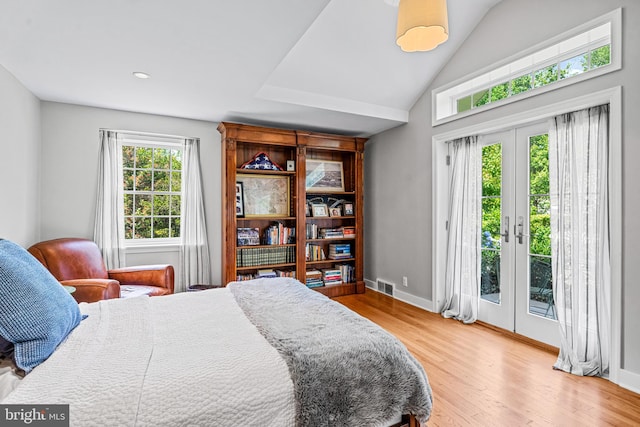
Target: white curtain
point(194, 252)
point(462, 275)
point(107, 232)
point(578, 177)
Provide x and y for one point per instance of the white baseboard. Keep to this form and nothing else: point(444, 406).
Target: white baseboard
point(419, 302)
point(629, 380)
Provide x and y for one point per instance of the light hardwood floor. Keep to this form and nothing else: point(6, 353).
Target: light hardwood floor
point(481, 377)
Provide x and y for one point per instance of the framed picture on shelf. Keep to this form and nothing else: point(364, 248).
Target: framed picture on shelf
point(335, 211)
point(319, 210)
point(265, 195)
point(248, 236)
point(239, 200)
point(324, 176)
point(348, 208)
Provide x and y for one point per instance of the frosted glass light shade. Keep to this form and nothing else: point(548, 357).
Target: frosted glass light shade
point(422, 24)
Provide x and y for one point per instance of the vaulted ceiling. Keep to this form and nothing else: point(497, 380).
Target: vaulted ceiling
point(329, 65)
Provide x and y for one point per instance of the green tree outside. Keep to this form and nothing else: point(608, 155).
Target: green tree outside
point(152, 184)
point(539, 215)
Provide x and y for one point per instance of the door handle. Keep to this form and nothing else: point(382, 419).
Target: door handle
point(518, 229)
point(506, 230)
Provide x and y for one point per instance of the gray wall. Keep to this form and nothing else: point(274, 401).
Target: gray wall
point(19, 161)
point(69, 164)
point(398, 162)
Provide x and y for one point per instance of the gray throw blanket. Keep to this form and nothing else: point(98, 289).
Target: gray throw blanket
point(346, 370)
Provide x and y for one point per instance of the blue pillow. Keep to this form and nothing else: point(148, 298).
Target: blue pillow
point(36, 312)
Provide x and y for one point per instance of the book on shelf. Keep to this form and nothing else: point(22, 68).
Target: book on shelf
point(286, 273)
point(339, 251)
point(266, 273)
point(249, 257)
point(332, 276)
point(314, 278)
point(348, 231)
point(347, 272)
point(314, 252)
point(312, 231)
point(331, 233)
point(278, 234)
point(248, 236)
point(278, 273)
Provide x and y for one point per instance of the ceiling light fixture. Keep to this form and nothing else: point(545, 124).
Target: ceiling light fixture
point(141, 75)
point(422, 24)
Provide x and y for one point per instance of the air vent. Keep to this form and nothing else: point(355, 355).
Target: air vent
point(385, 287)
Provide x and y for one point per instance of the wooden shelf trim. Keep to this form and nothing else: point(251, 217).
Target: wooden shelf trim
point(263, 266)
point(327, 261)
point(266, 218)
point(263, 172)
point(266, 246)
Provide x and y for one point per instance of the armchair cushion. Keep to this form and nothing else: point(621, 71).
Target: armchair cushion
point(161, 276)
point(92, 290)
point(36, 313)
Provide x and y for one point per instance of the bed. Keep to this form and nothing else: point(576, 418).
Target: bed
point(267, 352)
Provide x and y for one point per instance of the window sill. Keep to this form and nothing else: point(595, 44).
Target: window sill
point(152, 248)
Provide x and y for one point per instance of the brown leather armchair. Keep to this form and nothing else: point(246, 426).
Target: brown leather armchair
point(78, 263)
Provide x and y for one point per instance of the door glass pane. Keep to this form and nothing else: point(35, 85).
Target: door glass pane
point(491, 215)
point(540, 277)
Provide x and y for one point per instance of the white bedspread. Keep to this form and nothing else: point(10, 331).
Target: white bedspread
point(186, 359)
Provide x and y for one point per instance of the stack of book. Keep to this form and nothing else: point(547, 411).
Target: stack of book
point(349, 231)
point(314, 279)
point(332, 276)
point(278, 234)
point(314, 252)
point(331, 233)
point(339, 251)
point(266, 273)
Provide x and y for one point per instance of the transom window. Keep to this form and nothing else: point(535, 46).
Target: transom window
point(582, 53)
point(152, 190)
point(560, 70)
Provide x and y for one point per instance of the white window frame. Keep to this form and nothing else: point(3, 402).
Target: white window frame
point(444, 99)
point(147, 141)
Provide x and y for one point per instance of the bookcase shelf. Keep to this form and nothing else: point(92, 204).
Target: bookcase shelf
point(344, 185)
point(265, 266)
point(264, 172)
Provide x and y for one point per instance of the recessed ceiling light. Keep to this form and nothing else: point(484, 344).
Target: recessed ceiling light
point(141, 75)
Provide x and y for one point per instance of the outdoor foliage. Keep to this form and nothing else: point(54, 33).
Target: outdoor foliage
point(152, 184)
point(567, 68)
point(539, 215)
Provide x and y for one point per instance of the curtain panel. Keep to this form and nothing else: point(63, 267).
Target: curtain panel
point(462, 273)
point(194, 251)
point(579, 180)
point(108, 230)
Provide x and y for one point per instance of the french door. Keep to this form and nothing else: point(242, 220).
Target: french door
point(516, 280)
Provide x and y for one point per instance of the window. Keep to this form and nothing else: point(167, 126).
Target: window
point(152, 190)
point(582, 53)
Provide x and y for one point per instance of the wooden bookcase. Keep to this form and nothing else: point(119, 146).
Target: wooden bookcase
point(240, 143)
